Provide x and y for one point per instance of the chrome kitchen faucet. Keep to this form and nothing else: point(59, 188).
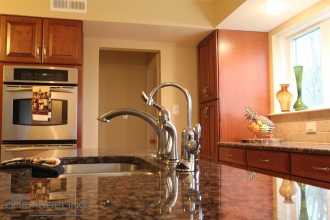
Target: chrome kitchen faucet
point(190, 146)
point(167, 135)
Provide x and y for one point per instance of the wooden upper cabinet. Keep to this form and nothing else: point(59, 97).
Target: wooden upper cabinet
point(20, 39)
point(62, 41)
point(37, 40)
point(208, 73)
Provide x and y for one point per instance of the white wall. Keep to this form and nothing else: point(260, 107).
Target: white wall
point(177, 64)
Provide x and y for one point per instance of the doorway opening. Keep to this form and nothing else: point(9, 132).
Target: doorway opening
point(123, 75)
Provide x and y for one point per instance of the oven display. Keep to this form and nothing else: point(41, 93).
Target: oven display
point(41, 74)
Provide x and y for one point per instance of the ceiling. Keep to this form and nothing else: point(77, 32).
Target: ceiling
point(251, 17)
point(248, 17)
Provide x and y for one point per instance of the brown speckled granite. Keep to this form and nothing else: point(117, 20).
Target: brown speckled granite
point(307, 148)
point(226, 193)
point(129, 197)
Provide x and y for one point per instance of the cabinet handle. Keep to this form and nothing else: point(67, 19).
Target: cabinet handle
point(38, 51)
point(321, 168)
point(205, 91)
point(45, 51)
point(206, 112)
point(264, 160)
point(230, 155)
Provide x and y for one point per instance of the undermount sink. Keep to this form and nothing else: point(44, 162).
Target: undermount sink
point(103, 169)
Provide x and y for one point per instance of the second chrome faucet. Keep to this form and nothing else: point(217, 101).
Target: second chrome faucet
point(190, 146)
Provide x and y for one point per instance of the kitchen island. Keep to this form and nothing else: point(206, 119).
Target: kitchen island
point(214, 192)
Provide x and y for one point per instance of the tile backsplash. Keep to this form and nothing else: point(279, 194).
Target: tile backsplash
point(291, 127)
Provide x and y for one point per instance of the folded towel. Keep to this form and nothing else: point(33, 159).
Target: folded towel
point(33, 160)
point(41, 103)
point(41, 167)
point(38, 171)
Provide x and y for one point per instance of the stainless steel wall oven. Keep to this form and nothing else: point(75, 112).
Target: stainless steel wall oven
point(35, 122)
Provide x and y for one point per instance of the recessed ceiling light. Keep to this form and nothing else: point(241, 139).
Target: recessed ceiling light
point(275, 8)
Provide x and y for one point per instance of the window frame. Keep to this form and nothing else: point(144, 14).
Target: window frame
point(282, 60)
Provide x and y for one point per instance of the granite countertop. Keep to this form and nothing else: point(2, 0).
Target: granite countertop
point(214, 192)
point(294, 147)
point(165, 194)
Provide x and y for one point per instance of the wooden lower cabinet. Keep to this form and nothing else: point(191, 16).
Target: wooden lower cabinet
point(269, 160)
point(209, 121)
point(311, 166)
point(307, 168)
point(233, 155)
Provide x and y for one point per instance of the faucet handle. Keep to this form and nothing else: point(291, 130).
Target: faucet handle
point(197, 136)
point(147, 101)
point(197, 131)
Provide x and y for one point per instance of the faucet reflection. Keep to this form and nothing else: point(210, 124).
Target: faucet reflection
point(168, 190)
point(192, 201)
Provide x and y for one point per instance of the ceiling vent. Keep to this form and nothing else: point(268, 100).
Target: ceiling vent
point(78, 6)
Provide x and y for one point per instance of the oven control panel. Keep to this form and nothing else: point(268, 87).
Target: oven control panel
point(40, 75)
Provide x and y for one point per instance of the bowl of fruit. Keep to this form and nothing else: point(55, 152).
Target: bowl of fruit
point(260, 125)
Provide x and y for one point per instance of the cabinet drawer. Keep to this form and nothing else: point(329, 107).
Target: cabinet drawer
point(269, 160)
point(310, 166)
point(232, 155)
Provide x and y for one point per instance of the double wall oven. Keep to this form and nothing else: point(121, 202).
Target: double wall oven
point(24, 134)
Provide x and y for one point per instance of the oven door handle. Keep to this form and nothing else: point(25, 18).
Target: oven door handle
point(61, 90)
point(52, 89)
point(38, 148)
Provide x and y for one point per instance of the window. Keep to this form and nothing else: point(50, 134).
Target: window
point(306, 52)
point(307, 46)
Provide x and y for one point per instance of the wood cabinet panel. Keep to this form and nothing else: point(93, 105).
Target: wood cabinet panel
point(20, 39)
point(269, 160)
point(306, 168)
point(243, 80)
point(310, 166)
point(37, 40)
point(62, 41)
point(208, 118)
point(208, 69)
point(233, 155)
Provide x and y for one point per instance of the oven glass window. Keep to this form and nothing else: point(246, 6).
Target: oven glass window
point(22, 113)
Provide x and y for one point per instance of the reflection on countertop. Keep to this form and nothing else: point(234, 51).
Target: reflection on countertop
point(214, 192)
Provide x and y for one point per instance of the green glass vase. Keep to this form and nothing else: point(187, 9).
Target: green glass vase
point(303, 206)
point(299, 104)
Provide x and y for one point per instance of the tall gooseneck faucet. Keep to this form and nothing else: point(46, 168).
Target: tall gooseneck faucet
point(190, 146)
point(150, 100)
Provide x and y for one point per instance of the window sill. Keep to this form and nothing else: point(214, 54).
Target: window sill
point(297, 112)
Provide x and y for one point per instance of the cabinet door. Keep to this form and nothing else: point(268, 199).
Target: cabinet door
point(209, 120)
point(213, 130)
point(62, 41)
point(269, 160)
point(203, 121)
point(208, 68)
point(20, 39)
point(233, 155)
point(310, 166)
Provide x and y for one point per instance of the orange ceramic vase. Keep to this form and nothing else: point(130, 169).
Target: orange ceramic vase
point(284, 97)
